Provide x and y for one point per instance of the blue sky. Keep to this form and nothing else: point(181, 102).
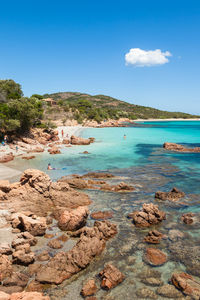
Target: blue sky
point(51, 46)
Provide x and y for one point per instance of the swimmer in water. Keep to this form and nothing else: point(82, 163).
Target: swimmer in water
point(49, 167)
point(124, 136)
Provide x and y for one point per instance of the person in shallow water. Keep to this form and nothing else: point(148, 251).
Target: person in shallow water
point(124, 136)
point(49, 167)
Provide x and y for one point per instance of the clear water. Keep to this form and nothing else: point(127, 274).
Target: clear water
point(141, 161)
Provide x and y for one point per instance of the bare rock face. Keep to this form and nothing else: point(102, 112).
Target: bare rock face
point(5, 249)
point(64, 265)
point(150, 215)
point(188, 218)
point(102, 215)
point(89, 288)
point(76, 183)
point(31, 223)
point(173, 195)
point(153, 237)
point(74, 220)
point(37, 193)
point(23, 239)
point(5, 267)
point(187, 284)
point(155, 257)
point(16, 279)
point(79, 141)
point(21, 257)
point(6, 158)
point(180, 148)
point(111, 277)
point(28, 296)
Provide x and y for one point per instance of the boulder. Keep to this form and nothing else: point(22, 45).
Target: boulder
point(5, 248)
point(76, 183)
point(102, 215)
point(55, 244)
point(33, 224)
point(153, 237)
point(149, 215)
point(188, 218)
point(73, 220)
point(23, 239)
point(180, 148)
point(54, 150)
point(65, 264)
point(173, 195)
point(110, 277)
point(79, 141)
point(66, 141)
point(16, 279)
point(44, 256)
point(187, 284)
point(6, 158)
point(89, 288)
point(155, 257)
point(20, 257)
point(123, 187)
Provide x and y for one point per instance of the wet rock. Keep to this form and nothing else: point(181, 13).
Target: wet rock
point(149, 273)
point(5, 248)
point(55, 244)
point(28, 296)
point(152, 281)
point(22, 258)
point(153, 237)
point(75, 183)
point(180, 148)
point(169, 291)
point(188, 218)
point(28, 157)
point(110, 277)
point(89, 288)
point(149, 215)
point(146, 293)
point(85, 152)
point(54, 150)
point(155, 257)
point(24, 238)
point(49, 235)
point(123, 187)
point(73, 220)
point(91, 243)
point(187, 284)
point(44, 256)
point(79, 141)
point(102, 215)
point(97, 175)
point(6, 269)
point(33, 224)
point(173, 195)
point(6, 158)
point(36, 149)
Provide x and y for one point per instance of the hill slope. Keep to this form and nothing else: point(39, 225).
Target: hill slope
point(100, 107)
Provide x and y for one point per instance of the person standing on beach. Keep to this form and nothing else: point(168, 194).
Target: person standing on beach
point(62, 132)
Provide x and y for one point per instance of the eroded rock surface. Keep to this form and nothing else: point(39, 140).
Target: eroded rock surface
point(89, 288)
point(155, 257)
point(187, 284)
point(149, 215)
point(173, 195)
point(73, 220)
point(188, 218)
point(153, 237)
point(110, 277)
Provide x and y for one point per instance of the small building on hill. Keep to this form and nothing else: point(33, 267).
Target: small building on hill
point(49, 101)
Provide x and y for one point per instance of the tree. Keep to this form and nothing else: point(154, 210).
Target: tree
point(9, 90)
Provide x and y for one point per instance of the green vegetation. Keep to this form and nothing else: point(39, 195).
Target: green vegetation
point(100, 108)
point(9, 90)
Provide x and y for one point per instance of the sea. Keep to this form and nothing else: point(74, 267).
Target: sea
point(135, 155)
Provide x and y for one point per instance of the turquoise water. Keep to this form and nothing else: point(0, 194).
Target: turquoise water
point(140, 161)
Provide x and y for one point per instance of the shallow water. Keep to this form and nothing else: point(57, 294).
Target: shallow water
point(141, 161)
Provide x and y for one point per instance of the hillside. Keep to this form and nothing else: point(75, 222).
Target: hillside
point(100, 107)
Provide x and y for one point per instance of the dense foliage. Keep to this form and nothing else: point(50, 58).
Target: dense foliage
point(9, 90)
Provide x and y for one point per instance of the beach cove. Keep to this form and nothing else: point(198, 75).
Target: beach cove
point(140, 161)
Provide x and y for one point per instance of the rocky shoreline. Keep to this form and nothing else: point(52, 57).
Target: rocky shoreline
point(31, 208)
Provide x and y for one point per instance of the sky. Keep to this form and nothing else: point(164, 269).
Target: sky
point(144, 52)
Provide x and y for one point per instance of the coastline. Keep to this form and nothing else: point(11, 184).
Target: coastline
point(164, 120)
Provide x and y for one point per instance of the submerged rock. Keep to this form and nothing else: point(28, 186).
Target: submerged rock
point(155, 257)
point(153, 237)
point(173, 195)
point(149, 215)
point(110, 277)
point(64, 265)
point(187, 284)
point(180, 148)
point(102, 215)
point(146, 293)
point(169, 291)
point(188, 218)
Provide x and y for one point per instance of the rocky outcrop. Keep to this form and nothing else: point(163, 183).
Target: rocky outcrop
point(6, 158)
point(102, 215)
point(79, 141)
point(64, 265)
point(66, 141)
point(155, 257)
point(180, 148)
point(110, 277)
point(188, 218)
point(23, 256)
point(30, 222)
point(5, 248)
point(73, 220)
point(54, 150)
point(6, 269)
point(97, 175)
point(89, 288)
point(173, 195)
point(149, 215)
point(153, 237)
point(23, 239)
point(187, 284)
point(37, 193)
point(55, 244)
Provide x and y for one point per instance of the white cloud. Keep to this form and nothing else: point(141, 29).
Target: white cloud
point(142, 58)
